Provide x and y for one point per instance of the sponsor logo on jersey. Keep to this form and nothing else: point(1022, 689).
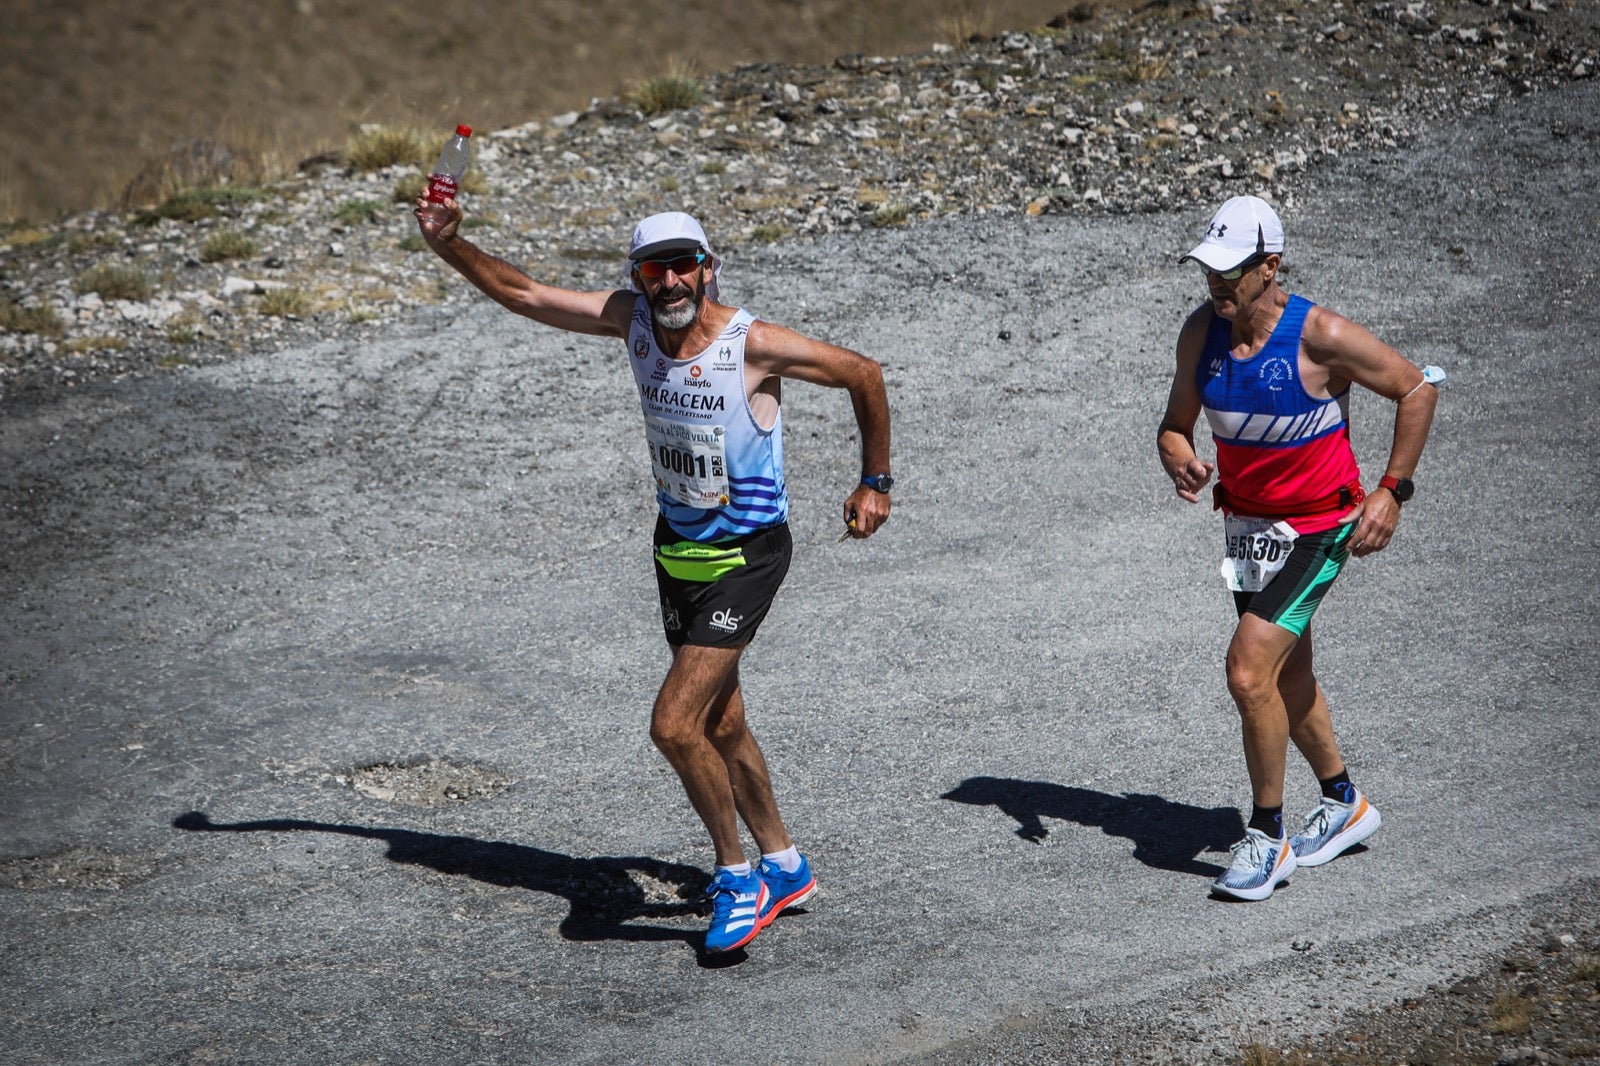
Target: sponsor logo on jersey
point(641, 347)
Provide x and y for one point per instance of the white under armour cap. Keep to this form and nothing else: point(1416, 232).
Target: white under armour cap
point(1243, 227)
point(671, 231)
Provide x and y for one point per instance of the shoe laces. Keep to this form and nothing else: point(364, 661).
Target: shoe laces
point(1317, 820)
point(1247, 852)
point(724, 892)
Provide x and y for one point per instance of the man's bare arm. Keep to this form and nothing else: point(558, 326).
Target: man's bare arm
point(600, 313)
point(776, 351)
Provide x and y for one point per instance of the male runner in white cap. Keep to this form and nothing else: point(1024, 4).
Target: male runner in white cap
point(1272, 373)
point(708, 378)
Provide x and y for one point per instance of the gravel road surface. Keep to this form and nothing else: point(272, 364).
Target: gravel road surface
point(326, 673)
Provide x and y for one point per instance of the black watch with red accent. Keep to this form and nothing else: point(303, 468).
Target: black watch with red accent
point(1400, 488)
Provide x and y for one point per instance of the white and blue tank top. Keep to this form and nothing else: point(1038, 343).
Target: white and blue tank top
point(718, 473)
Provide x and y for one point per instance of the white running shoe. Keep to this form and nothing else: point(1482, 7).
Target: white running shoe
point(1260, 864)
point(1334, 828)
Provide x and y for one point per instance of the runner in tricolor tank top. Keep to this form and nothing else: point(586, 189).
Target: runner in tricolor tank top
point(708, 378)
point(1272, 374)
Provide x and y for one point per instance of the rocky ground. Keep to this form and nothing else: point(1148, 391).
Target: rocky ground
point(1172, 107)
point(1168, 109)
point(1537, 1004)
point(1540, 1005)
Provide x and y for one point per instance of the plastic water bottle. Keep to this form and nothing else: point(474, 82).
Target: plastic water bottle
point(445, 181)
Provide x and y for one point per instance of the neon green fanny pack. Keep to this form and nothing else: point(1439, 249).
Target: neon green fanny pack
point(688, 561)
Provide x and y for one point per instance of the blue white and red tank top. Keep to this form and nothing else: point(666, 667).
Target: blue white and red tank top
point(1277, 446)
point(718, 473)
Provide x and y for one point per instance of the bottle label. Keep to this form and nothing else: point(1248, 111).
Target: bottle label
point(441, 187)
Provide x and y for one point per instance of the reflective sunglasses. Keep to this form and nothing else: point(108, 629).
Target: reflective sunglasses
point(656, 269)
point(1238, 272)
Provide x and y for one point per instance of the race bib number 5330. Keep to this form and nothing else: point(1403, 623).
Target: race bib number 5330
point(1257, 550)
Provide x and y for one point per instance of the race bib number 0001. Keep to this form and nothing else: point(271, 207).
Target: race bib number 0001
point(690, 463)
point(1257, 550)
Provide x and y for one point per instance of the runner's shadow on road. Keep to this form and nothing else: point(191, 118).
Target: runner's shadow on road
point(1165, 835)
point(604, 897)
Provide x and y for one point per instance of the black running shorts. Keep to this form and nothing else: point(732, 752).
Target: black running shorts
point(1294, 593)
point(717, 595)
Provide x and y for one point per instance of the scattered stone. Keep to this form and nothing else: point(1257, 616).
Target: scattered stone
point(1161, 109)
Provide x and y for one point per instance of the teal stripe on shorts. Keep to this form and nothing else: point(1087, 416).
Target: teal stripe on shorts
point(1292, 597)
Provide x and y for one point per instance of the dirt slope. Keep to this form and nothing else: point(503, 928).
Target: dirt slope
point(110, 85)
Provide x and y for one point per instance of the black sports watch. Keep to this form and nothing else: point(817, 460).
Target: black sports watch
point(1400, 487)
point(879, 482)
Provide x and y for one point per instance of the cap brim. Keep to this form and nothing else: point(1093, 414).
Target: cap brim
point(659, 248)
point(1215, 257)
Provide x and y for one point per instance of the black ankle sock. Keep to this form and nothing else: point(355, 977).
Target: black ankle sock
point(1267, 819)
point(1339, 787)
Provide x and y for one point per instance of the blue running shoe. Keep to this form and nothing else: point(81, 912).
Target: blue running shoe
point(785, 890)
point(1334, 828)
point(1259, 865)
point(736, 907)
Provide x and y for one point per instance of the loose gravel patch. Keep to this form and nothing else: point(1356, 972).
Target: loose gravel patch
point(425, 782)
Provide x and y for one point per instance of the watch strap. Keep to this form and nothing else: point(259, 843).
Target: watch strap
point(878, 482)
point(1399, 487)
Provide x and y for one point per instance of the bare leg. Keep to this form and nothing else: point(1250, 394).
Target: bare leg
point(699, 725)
point(747, 771)
point(1310, 723)
point(1256, 659)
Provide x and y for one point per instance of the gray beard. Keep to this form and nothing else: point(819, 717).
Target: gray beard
point(678, 318)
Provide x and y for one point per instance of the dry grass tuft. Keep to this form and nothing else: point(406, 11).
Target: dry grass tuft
point(376, 147)
point(675, 90)
point(1256, 1053)
point(891, 215)
point(291, 301)
point(113, 281)
point(95, 343)
point(246, 159)
point(967, 21)
point(197, 202)
point(35, 318)
point(28, 237)
point(226, 244)
point(358, 212)
point(1513, 1015)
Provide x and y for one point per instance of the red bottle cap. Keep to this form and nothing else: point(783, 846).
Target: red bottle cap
point(464, 131)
